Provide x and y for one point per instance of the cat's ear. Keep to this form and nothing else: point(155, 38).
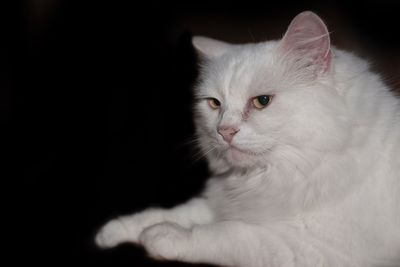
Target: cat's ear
point(307, 38)
point(210, 48)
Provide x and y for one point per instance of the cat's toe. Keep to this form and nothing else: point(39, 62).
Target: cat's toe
point(165, 241)
point(112, 234)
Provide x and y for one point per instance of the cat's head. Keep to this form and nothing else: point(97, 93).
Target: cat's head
point(257, 100)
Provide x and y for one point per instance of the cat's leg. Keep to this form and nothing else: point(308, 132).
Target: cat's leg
point(223, 243)
point(236, 244)
point(128, 228)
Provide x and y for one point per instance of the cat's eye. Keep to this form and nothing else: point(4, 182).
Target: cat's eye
point(214, 103)
point(261, 101)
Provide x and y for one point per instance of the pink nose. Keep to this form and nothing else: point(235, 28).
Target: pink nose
point(227, 132)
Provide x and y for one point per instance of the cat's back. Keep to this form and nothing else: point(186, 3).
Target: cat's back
point(373, 108)
point(374, 111)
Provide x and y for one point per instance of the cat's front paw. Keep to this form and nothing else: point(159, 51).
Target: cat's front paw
point(165, 241)
point(112, 234)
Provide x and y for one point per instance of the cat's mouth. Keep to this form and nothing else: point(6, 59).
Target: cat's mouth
point(235, 149)
point(238, 154)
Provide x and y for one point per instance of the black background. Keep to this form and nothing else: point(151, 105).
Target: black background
point(95, 101)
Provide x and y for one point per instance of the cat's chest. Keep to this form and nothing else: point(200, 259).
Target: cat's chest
point(252, 200)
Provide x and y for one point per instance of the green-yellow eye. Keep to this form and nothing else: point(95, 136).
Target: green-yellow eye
point(214, 103)
point(261, 101)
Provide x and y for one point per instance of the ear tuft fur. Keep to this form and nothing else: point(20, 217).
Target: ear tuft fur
point(210, 48)
point(307, 38)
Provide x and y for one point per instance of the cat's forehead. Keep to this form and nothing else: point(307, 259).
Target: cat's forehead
point(243, 72)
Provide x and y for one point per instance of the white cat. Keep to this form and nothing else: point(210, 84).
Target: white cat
point(304, 143)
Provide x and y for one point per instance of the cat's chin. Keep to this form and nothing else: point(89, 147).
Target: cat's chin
point(240, 158)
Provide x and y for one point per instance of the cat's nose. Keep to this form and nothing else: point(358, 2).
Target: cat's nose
point(227, 132)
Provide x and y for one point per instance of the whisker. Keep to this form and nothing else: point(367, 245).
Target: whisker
point(189, 141)
point(200, 155)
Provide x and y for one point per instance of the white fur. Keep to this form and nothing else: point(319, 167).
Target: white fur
point(318, 185)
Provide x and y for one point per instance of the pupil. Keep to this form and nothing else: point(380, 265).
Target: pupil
point(263, 100)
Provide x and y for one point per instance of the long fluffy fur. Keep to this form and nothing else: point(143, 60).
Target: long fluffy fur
point(318, 183)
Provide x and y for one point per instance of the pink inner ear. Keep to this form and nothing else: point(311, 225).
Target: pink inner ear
point(308, 36)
